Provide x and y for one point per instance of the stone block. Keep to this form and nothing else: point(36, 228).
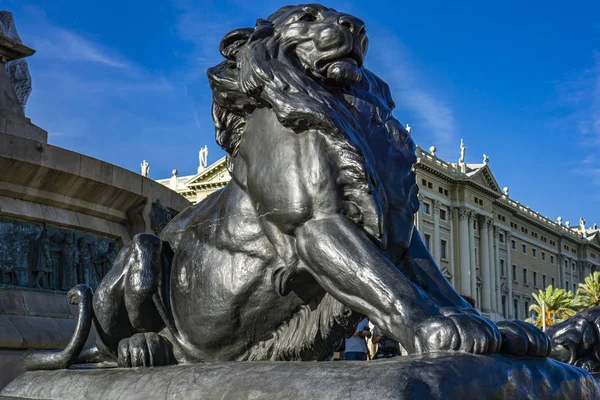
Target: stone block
point(91, 223)
point(60, 159)
point(19, 208)
point(24, 128)
point(127, 180)
point(60, 216)
point(46, 304)
point(97, 170)
point(440, 376)
point(21, 149)
point(10, 337)
point(41, 332)
point(10, 365)
point(11, 302)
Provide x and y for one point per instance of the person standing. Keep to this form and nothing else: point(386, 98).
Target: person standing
point(386, 347)
point(356, 346)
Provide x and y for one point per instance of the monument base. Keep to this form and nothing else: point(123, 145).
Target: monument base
point(441, 376)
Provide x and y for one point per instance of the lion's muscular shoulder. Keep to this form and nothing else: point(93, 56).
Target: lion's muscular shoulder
point(302, 179)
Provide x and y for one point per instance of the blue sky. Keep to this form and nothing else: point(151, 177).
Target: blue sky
point(125, 81)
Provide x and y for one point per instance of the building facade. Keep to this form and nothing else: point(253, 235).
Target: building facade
point(489, 246)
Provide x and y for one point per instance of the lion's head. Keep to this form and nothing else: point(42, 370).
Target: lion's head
point(298, 61)
point(306, 64)
point(328, 44)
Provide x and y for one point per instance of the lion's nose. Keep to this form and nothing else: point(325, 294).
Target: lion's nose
point(353, 24)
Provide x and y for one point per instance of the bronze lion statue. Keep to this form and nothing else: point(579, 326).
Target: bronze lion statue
point(313, 232)
point(576, 340)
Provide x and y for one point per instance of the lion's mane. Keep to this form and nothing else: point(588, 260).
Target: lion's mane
point(262, 70)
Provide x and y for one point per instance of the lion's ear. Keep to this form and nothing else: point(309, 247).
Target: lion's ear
point(232, 42)
point(262, 30)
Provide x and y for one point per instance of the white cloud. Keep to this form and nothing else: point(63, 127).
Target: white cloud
point(580, 95)
point(390, 57)
point(53, 42)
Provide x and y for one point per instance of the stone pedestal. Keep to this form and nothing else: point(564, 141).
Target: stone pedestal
point(443, 376)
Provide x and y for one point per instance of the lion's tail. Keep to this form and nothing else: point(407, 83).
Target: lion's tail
point(35, 360)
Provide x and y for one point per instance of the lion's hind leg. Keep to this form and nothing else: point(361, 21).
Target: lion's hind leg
point(126, 306)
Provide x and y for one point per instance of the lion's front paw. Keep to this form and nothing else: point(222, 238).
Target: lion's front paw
point(573, 340)
point(522, 339)
point(458, 332)
point(144, 350)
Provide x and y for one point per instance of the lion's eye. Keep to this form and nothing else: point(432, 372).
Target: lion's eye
point(308, 17)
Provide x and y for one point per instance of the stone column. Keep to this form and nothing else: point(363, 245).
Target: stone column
point(559, 270)
point(419, 215)
point(464, 255)
point(451, 247)
point(510, 306)
point(484, 267)
point(564, 272)
point(437, 245)
point(473, 267)
point(495, 262)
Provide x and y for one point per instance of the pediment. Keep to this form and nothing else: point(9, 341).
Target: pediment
point(485, 178)
point(216, 172)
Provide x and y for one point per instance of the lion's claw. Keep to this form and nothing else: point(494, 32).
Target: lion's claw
point(466, 333)
point(144, 350)
point(522, 339)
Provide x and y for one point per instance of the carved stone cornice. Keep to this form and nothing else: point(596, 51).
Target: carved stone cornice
point(436, 206)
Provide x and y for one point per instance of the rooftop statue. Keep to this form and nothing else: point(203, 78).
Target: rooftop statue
point(313, 232)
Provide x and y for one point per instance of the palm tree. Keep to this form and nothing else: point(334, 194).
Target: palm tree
point(588, 293)
point(559, 306)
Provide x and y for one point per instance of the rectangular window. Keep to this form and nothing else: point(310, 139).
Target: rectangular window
point(524, 248)
point(525, 276)
point(513, 244)
point(428, 241)
point(534, 278)
point(516, 307)
point(442, 214)
point(515, 276)
point(551, 259)
point(553, 283)
point(534, 252)
point(504, 307)
point(502, 271)
point(501, 238)
point(427, 208)
point(543, 280)
point(476, 258)
point(526, 308)
point(567, 285)
point(574, 288)
point(444, 249)
point(543, 256)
